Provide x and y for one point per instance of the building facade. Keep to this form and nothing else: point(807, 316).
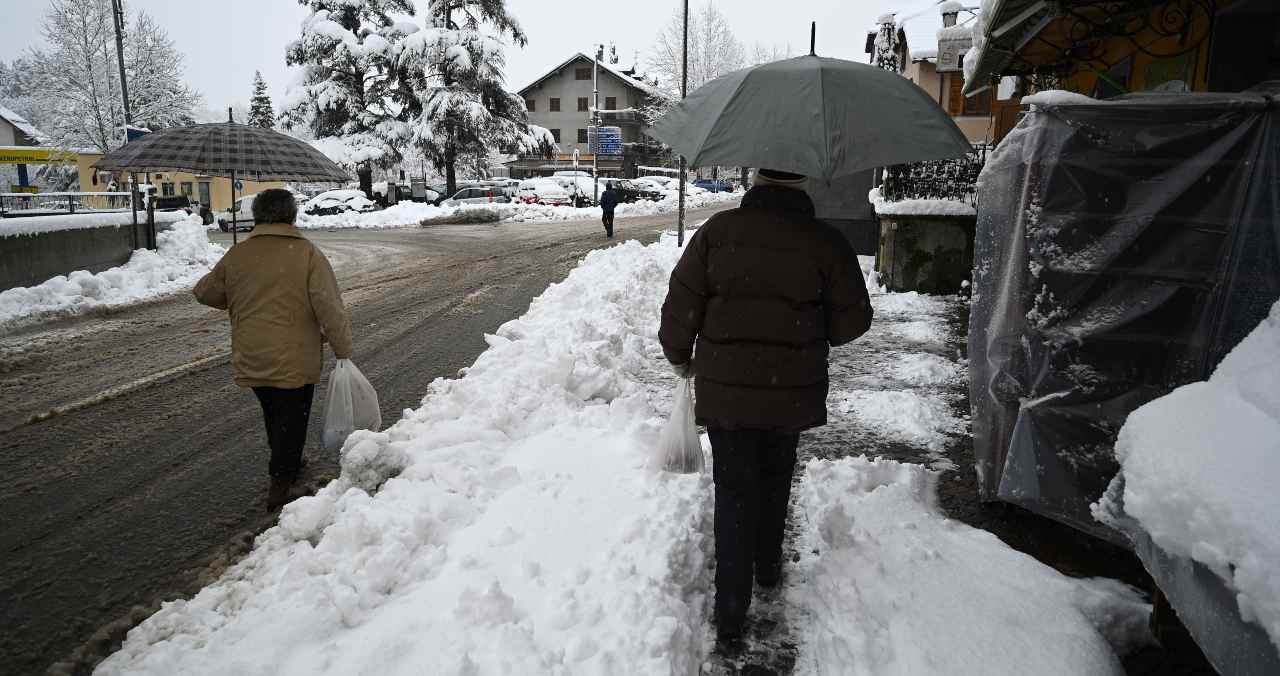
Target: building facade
point(562, 101)
point(214, 191)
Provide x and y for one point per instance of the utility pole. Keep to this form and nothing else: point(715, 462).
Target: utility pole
point(117, 11)
point(684, 92)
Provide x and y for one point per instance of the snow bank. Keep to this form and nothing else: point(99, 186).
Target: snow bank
point(184, 256)
point(402, 215)
point(1200, 467)
point(887, 584)
point(30, 225)
point(411, 214)
point(509, 525)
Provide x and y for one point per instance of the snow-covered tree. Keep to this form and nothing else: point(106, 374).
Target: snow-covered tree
point(713, 49)
point(451, 87)
point(345, 96)
point(75, 83)
point(261, 114)
point(889, 51)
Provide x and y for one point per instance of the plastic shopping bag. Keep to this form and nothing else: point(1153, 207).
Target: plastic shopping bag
point(679, 449)
point(352, 405)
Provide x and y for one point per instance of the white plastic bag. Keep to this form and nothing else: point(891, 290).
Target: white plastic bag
point(352, 405)
point(679, 449)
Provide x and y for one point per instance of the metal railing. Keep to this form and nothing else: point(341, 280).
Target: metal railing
point(14, 204)
point(952, 179)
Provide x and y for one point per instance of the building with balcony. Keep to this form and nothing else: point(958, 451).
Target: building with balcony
point(562, 100)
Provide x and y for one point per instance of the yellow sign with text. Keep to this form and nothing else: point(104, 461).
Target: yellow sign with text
point(20, 155)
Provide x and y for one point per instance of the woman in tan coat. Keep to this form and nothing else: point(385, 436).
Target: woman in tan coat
point(284, 302)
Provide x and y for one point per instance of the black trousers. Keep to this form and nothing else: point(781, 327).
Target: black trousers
point(286, 413)
point(752, 473)
point(607, 219)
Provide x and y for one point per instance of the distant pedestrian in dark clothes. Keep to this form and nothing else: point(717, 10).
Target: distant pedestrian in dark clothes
point(284, 302)
point(608, 202)
point(761, 293)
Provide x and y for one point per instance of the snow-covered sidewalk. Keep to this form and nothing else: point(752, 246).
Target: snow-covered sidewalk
point(512, 525)
point(184, 255)
point(412, 214)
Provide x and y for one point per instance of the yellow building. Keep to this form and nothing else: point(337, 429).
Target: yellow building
point(214, 191)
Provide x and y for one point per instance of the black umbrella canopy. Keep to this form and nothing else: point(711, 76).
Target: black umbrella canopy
point(810, 115)
point(221, 148)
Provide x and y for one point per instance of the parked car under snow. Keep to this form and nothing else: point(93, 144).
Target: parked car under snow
point(337, 202)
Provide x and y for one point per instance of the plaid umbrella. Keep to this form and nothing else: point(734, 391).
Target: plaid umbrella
point(225, 149)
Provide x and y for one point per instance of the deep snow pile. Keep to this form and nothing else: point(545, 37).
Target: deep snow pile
point(185, 254)
point(519, 532)
point(30, 225)
point(402, 215)
point(919, 207)
point(886, 584)
point(1199, 469)
point(410, 214)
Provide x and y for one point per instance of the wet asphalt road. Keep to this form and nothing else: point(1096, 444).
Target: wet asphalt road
point(132, 469)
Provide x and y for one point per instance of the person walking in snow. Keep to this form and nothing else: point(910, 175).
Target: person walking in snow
point(757, 299)
point(284, 302)
point(608, 202)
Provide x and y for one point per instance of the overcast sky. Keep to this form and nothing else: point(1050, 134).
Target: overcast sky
point(225, 42)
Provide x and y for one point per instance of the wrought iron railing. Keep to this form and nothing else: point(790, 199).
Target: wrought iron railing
point(951, 179)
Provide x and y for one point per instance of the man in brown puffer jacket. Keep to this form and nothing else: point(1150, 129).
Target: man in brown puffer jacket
point(763, 291)
point(284, 303)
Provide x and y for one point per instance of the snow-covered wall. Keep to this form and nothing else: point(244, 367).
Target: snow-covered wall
point(35, 249)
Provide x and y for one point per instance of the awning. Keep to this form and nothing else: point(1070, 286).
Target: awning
point(1004, 27)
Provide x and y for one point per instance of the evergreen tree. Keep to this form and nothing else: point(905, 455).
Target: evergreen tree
point(261, 113)
point(346, 49)
point(450, 87)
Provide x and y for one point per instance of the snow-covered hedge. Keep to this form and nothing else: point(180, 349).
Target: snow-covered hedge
point(184, 256)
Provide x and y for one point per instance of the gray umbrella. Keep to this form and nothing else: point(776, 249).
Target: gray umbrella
point(225, 149)
point(810, 115)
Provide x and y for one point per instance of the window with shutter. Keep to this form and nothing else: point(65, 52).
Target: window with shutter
point(582, 73)
point(582, 136)
point(582, 104)
point(555, 105)
point(611, 102)
point(555, 134)
point(955, 100)
point(530, 105)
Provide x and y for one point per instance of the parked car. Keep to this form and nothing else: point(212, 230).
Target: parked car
point(445, 194)
point(481, 195)
point(543, 191)
point(177, 203)
point(633, 191)
point(338, 201)
point(714, 185)
point(243, 212)
point(580, 188)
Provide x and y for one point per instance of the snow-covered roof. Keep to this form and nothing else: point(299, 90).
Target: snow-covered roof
point(23, 125)
point(924, 55)
point(950, 7)
point(626, 79)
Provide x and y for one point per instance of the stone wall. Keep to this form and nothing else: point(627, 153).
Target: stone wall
point(929, 254)
point(28, 260)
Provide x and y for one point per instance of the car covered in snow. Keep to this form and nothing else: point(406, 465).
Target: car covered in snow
point(630, 190)
point(338, 201)
point(580, 186)
point(543, 191)
point(478, 195)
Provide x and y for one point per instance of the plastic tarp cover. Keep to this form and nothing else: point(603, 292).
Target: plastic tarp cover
point(1123, 247)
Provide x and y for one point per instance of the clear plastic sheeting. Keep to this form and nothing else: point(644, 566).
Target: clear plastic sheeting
point(1123, 248)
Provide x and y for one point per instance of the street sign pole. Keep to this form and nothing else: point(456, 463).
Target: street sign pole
point(595, 120)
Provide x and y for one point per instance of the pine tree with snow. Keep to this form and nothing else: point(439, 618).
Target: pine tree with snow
point(451, 86)
point(344, 96)
point(261, 114)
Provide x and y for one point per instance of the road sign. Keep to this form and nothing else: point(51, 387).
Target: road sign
point(239, 185)
point(605, 141)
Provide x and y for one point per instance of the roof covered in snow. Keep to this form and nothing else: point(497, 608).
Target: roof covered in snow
point(22, 125)
point(626, 78)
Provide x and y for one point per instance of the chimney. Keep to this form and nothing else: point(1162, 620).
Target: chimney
point(950, 12)
point(949, 19)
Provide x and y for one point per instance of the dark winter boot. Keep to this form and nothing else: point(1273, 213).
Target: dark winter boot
point(729, 626)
